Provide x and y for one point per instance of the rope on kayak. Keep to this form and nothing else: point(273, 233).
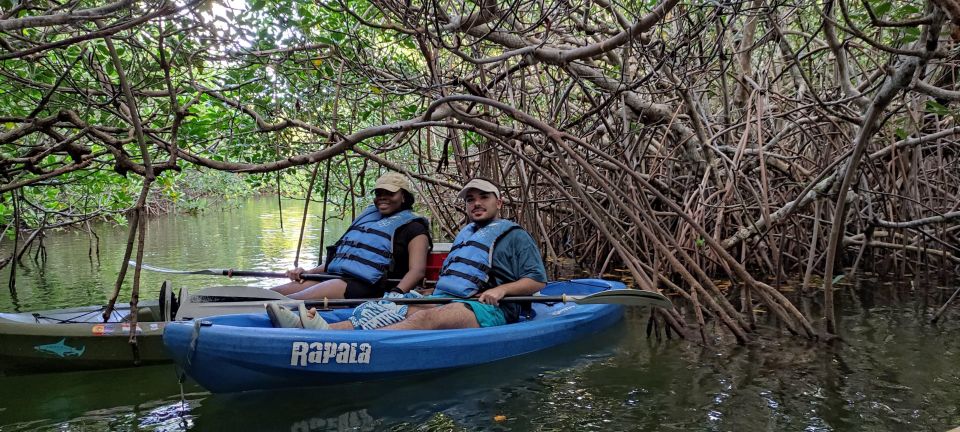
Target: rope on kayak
point(79, 318)
point(182, 372)
point(192, 350)
point(183, 401)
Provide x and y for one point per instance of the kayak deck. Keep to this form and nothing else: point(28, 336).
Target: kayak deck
point(84, 314)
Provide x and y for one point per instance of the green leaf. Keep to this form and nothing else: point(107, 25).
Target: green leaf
point(409, 110)
point(838, 278)
point(907, 10)
point(911, 34)
point(882, 9)
point(303, 10)
point(936, 108)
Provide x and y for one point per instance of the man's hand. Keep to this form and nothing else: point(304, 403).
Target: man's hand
point(492, 296)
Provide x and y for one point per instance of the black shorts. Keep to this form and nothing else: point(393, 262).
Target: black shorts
point(357, 288)
point(511, 311)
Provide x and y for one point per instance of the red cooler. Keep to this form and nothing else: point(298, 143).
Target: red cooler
point(435, 260)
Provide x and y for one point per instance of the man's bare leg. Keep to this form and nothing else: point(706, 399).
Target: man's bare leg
point(448, 316)
point(425, 317)
point(347, 325)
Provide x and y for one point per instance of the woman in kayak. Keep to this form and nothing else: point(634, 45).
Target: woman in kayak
point(386, 243)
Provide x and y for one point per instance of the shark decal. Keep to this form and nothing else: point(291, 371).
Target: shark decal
point(61, 349)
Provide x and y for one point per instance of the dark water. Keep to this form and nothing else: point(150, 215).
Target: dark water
point(891, 372)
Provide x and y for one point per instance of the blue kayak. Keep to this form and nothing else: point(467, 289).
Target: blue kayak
point(232, 353)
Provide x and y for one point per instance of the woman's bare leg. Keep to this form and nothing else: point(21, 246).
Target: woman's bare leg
point(331, 289)
point(293, 287)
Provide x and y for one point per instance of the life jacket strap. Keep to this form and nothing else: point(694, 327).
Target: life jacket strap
point(366, 230)
point(476, 264)
point(475, 280)
point(351, 257)
point(473, 243)
point(367, 247)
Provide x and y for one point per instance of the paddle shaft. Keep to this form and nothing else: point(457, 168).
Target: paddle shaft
point(617, 296)
point(245, 273)
point(431, 300)
point(304, 276)
point(623, 296)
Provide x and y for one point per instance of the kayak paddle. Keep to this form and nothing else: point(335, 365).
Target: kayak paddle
point(626, 297)
point(239, 273)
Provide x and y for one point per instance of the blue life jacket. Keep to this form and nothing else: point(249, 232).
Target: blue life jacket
point(467, 269)
point(365, 251)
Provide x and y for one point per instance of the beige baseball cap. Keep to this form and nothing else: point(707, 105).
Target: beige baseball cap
point(393, 181)
point(481, 185)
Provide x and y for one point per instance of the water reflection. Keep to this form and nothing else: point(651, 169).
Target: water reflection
point(170, 416)
point(616, 381)
point(359, 420)
point(248, 238)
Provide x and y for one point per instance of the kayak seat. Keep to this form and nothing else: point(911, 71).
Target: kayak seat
point(527, 314)
point(168, 302)
point(144, 314)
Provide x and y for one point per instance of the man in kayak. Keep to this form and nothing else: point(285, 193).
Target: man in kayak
point(471, 272)
point(386, 242)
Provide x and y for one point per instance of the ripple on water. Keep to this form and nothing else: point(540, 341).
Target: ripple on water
point(159, 416)
point(168, 417)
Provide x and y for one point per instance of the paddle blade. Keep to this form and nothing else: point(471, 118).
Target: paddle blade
point(148, 267)
point(628, 297)
point(217, 294)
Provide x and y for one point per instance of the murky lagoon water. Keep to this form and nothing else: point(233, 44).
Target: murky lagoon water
point(891, 372)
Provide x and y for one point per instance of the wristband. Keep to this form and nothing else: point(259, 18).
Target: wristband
point(398, 290)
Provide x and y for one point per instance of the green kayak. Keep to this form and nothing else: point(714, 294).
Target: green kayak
point(78, 338)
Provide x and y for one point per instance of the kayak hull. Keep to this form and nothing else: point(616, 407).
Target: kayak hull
point(74, 339)
point(45, 345)
point(244, 352)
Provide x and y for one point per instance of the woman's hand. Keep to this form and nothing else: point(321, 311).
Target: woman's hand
point(296, 274)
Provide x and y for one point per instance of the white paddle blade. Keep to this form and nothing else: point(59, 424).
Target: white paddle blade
point(628, 297)
point(148, 267)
